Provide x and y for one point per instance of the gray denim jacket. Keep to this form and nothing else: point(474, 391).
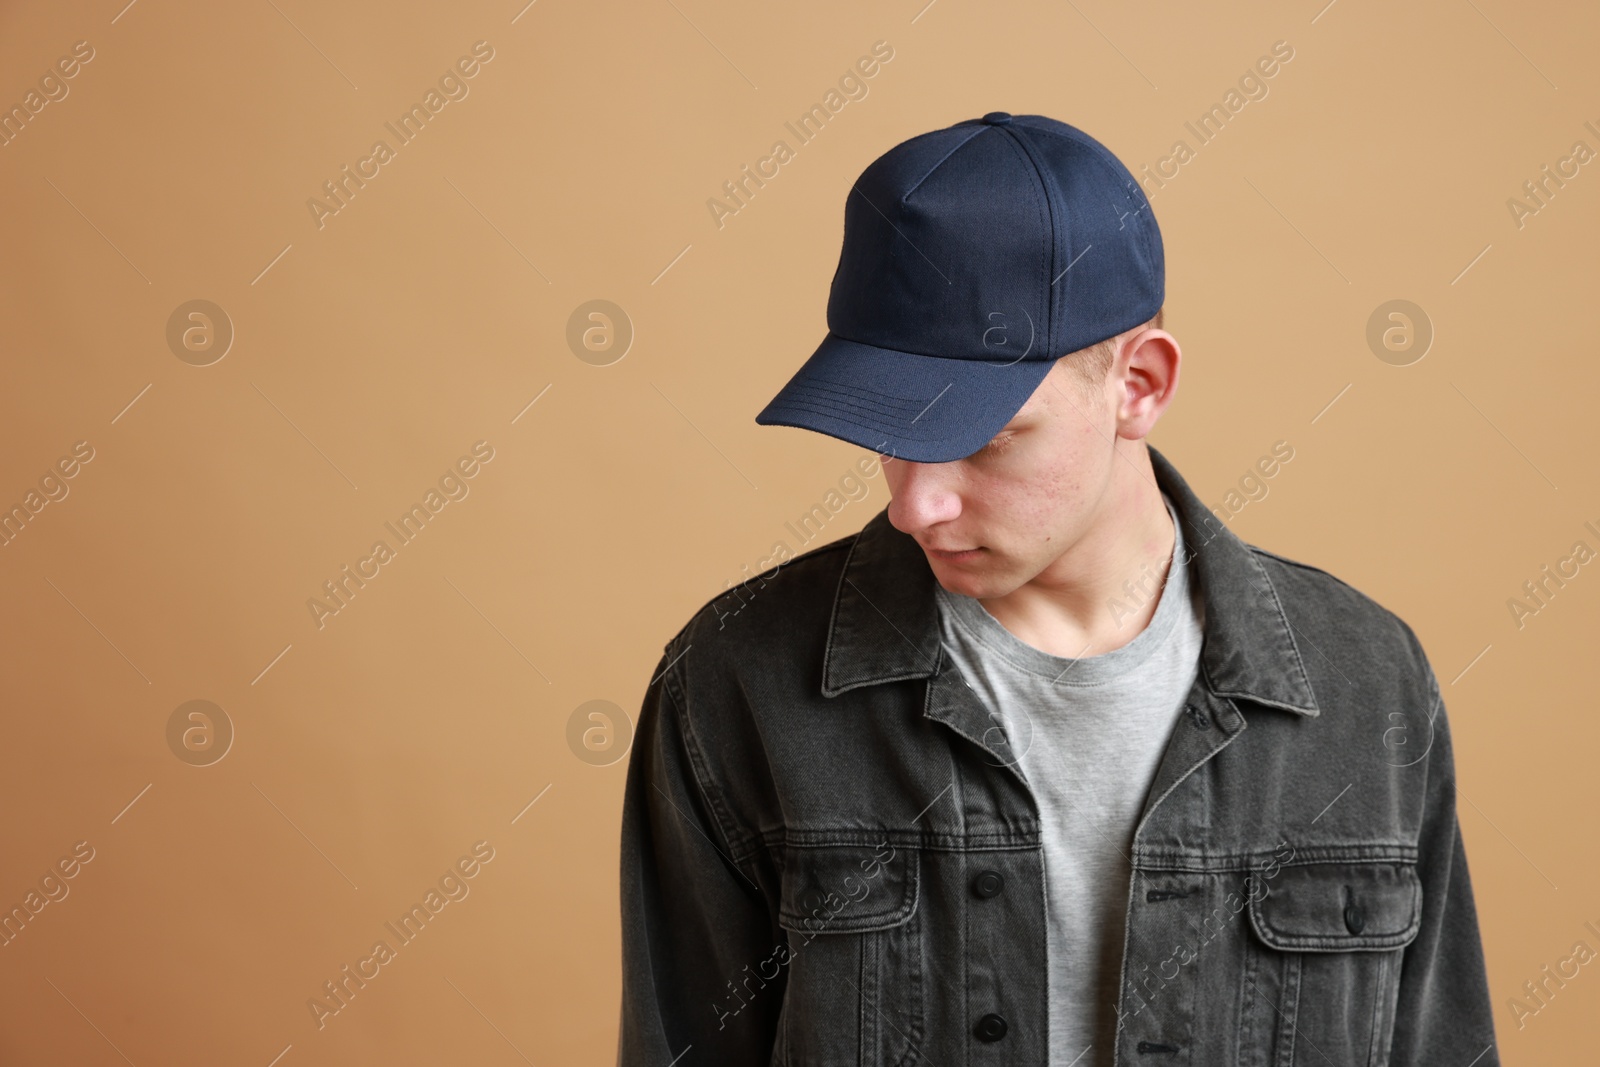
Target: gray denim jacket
point(829, 857)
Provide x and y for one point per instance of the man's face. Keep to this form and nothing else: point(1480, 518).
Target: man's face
point(1014, 506)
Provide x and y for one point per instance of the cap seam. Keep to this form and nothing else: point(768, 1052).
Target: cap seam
point(839, 416)
point(1047, 235)
point(906, 196)
point(1048, 244)
point(852, 391)
point(1098, 154)
point(853, 404)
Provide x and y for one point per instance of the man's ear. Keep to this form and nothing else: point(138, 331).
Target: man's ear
point(1147, 367)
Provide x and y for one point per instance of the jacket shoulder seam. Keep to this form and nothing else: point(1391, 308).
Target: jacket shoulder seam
point(1258, 550)
point(839, 545)
point(710, 794)
point(1407, 635)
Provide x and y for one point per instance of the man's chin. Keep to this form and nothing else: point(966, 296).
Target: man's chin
point(977, 582)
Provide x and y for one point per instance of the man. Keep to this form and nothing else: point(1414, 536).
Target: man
point(1045, 765)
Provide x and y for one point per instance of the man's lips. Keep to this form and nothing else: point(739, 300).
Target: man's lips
point(954, 554)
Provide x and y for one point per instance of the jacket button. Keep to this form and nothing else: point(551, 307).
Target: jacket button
point(988, 884)
point(990, 1028)
point(1355, 917)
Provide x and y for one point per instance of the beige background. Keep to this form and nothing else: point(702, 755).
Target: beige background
point(372, 352)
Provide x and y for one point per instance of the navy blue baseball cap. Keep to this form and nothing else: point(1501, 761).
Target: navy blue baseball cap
point(974, 257)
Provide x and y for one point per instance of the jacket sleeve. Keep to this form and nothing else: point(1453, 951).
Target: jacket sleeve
point(700, 977)
point(1444, 1014)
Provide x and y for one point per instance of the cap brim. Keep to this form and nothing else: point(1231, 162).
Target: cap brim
point(926, 409)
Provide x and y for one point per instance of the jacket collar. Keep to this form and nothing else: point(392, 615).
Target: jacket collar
point(885, 622)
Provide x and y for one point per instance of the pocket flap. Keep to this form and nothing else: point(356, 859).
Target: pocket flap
point(1339, 907)
point(843, 889)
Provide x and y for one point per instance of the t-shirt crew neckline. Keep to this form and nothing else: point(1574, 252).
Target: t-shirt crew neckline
point(974, 620)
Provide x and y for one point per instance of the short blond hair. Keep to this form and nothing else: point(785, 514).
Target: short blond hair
point(1091, 364)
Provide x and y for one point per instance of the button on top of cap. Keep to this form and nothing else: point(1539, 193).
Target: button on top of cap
point(997, 118)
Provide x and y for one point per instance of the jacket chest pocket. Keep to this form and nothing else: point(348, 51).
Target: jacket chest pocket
point(1322, 974)
point(854, 989)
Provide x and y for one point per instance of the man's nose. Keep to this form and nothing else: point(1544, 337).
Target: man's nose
point(922, 495)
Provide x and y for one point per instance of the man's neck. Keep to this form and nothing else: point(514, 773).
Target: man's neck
point(1103, 591)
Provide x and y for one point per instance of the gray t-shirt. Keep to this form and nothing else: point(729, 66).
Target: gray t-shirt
point(1087, 735)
